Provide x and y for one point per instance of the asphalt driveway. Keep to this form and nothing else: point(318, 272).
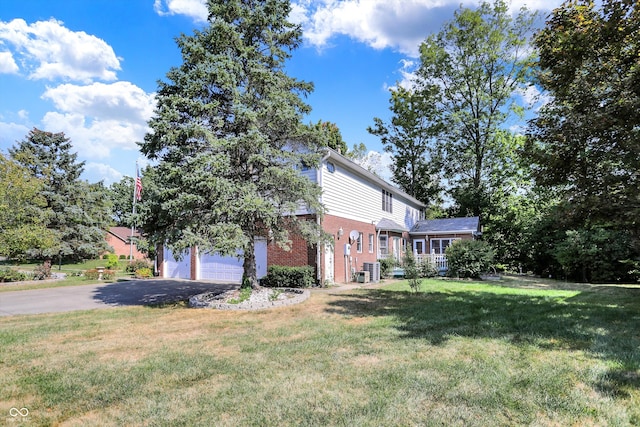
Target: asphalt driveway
point(88, 297)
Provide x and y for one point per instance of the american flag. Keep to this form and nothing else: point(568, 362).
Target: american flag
point(138, 186)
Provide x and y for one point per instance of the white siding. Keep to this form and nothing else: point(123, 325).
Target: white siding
point(349, 195)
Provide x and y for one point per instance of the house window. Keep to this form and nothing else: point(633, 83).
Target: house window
point(359, 243)
point(384, 245)
point(371, 237)
point(387, 201)
point(331, 167)
point(438, 246)
point(419, 247)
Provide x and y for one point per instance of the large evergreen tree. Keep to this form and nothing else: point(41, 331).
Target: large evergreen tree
point(80, 212)
point(229, 138)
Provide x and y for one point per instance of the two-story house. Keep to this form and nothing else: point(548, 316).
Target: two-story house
point(367, 218)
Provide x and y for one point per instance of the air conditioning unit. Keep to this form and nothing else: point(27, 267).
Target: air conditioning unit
point(374, 271)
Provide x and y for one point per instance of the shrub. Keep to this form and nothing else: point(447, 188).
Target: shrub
point(386, 265)
point(143, 273)
point(469, 258)
point(41, 272)
point(106, 256)
point(137, 264)
point(11, 275)
point(112, 261)
point(428, 269)
point(94, 274)
point(123, 257)
point(280, 276)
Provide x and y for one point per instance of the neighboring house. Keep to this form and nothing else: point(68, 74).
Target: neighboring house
point(367, 218)
point(119, 239)
point(431, 237)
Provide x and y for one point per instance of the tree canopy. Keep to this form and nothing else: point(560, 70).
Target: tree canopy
point(23, 213)
point(229, 138)
point(80, 213)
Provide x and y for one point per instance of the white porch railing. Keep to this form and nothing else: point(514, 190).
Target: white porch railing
point(439, 261)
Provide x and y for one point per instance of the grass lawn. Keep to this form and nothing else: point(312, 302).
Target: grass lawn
point(458, 353)
point(69, 269)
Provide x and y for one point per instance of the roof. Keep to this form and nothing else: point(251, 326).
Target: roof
point(123, 233)
point(370, 176)
point(446, 225)
point(388, 225)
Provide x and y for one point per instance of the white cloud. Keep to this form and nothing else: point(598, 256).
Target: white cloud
point(95, 138)
point(400, 25)
point(104, 172)
point(10, 133)
point(195, 9)
point(121, 101)
point(48, 50)
point(100, 117)
point(8, 64)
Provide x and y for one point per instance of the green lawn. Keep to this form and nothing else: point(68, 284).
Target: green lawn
point(70, 269)
point(458, 353)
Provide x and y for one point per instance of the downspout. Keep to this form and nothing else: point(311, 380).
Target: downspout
point(319, 250)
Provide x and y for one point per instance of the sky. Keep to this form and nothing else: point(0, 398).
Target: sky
point(90, 68)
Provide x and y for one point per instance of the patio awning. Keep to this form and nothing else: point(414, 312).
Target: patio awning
point(388, 225)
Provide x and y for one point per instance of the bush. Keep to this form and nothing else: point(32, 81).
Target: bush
point(469, 258)
point(11, 275)
point(94, 274)
point(411, 271)
point(386, 265)
point(137, 264)
point(280, 276)
point(112, 261)
point(41, 272)
point(123, 257)
point(427, 269)
point(143, 273)
point(106, 256)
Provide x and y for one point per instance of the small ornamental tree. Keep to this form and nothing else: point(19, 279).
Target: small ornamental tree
point(412, 271)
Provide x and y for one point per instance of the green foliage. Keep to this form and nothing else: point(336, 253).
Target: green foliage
point(386, 265)
point(12, 275)
point(473, 69)
point(289, 277)
point(23, 213)
point(596, 255)
point(245, 294)
point(228, 137)
point(137, 264)
point(411, 270)
point(409, 137)
point(143, 273)
point(122, 256)
point(469, 258)
point(77, 212)
point(427, 269)
point(112, 261)
point(94, 274)
point(331, 136)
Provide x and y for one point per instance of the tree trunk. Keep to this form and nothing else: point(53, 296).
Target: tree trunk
point(250, 275)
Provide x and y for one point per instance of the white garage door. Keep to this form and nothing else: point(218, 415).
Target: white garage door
point(230, 269)
point(175, 269)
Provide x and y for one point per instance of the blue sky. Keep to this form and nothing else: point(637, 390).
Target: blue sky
point(89, 68)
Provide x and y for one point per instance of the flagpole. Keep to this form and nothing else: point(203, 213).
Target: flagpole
point(133, 214)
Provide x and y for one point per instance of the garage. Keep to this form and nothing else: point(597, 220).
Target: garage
point(214, 266)
point(177, 269)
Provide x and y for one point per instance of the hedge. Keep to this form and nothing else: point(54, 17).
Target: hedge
point(279, 276)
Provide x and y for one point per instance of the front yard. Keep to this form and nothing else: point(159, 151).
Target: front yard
point(459, 353)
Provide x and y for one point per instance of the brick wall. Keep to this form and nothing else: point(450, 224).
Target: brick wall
point(122, 248)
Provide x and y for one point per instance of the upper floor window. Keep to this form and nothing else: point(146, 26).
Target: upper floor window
point(387, 201)
point(331, 167)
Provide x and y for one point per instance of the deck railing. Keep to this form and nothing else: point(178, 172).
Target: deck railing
point(439, 261)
